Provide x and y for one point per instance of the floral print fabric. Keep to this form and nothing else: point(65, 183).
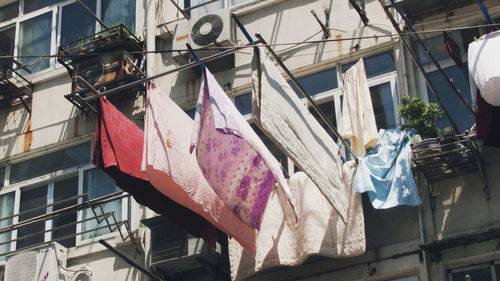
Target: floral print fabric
point(233, 159)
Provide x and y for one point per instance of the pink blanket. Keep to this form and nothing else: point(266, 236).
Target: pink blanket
point(166, 155)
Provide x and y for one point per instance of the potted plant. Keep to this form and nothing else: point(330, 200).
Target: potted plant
point(420, 116)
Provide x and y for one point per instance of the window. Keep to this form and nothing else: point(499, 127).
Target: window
point(40, 26)
point(199, 11)
point(480, 272)
point(96, 184)
point(317, 83)
point(49, 183)
point(460, 114)
point(244, 103)
point(383, 107)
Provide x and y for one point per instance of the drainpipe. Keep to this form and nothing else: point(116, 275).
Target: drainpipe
point(422, 242)
point(150, 36)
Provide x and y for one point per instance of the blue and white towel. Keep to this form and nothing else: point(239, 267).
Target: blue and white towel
point(385, 172)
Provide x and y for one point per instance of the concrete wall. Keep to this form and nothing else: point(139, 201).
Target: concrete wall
point(393, 235)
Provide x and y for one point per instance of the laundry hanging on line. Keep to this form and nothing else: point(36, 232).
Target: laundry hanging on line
point(358, 121)
point(166, 156)
point(233, 159)
point(118, 151)
point(484, 73)
point(487, 119)
point(286, 120)
point(320, 230)
point(385, 172)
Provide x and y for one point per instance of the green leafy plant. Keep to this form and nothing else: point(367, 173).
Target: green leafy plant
point(420, 116)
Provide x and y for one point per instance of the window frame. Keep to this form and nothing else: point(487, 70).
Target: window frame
point(56, 29)
point(49, 180)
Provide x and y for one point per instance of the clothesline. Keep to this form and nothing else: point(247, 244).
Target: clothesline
point(271, 44)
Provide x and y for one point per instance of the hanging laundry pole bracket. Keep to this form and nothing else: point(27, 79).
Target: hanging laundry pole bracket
point(433, 59)
point(419, 66)
point(360, 12)
point(324, 26)
point(308, 97)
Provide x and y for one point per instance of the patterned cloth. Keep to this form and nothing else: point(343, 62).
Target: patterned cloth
point(285, 119)
point(320, 231)
point(358, 121)
point(167, 131)
point(118, 150)
point(233, 159)
point(385, 172)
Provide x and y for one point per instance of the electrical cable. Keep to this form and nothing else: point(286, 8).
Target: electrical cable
point(294, 44)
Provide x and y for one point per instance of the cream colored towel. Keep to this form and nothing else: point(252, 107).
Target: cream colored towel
point(286, 121)
point(358, 121)
point(320, 230)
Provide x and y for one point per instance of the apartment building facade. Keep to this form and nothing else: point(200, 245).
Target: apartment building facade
point(47, 136)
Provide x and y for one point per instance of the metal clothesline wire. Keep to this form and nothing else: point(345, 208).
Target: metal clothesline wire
point(395, 35)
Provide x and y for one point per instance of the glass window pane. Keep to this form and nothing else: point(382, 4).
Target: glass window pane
point(119, 11)
point(32, 5)
point(383, 106)
point(477, 274)
point(31, 199)
point(203, 10)
point(380, 64)
point(244, 103)
point(34, 40)
point(328, 108)
point(6, 210)
point(10, 11)
point(96, 184)
point(7, 46)
point(317, 83)
point(52, 162)
point(71, 29)
point(458, 111)
point(63, 190)
point(497, 270)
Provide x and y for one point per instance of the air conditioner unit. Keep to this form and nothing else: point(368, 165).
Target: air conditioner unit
point(211, 30)
point(174, 250)
point(40, 264)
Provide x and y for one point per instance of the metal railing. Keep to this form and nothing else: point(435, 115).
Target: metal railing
point(98, 214)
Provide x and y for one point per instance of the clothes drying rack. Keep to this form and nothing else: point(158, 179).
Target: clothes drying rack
point(201, 62)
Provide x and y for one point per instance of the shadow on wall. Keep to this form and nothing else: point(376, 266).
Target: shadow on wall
point(14, 121)
point(389, 226)
point(461, 203)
